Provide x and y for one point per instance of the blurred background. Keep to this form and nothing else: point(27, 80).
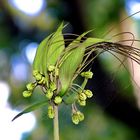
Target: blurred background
point(114, 111)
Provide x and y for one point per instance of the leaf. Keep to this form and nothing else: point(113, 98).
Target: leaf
point(54, 49)
point(69, 67)
point(39, 53)
point(31, 108)
point(78, 39)
point(49, 51)
point(90, 41)
point(72, 45)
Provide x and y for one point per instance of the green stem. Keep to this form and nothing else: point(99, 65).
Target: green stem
point(56, 123)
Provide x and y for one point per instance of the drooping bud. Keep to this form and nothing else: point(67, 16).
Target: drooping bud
point(82, 103)
point(27, 93)
point(35, 72)
point(88, 93)
point(51, 112)
point(87, 74)
point(42, 81)
point(56, 71)
point(51, 68)
point(38, 77)
point(82, 96)
point(57, 99)
point(49, 94)
point(75, 118)
point(80, 116)
point(52, 86)
point(30, 86)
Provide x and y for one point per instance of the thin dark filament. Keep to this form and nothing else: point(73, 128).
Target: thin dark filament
point(113, 27)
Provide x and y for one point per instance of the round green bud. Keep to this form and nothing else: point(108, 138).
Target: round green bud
point(58, 100)
point(56, 71)
point(87, 74)
point(35, 72)
point(51, 112)
point(27, 93)
point(80, 116)
point(42, 81)
point(49, 94)
point(52, 86)
point(82, 96)
point(88, 93)
point(75, 118)
point(30, 86)
point(51, 68)
point(38, 77)
point(82, 103)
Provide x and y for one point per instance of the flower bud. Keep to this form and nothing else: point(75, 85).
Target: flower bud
point(51, 112)
point(27, 93)
point(49, 94)
point(82, 96)
point(38, 77)
point(52, 86)
point(42, 81)
point(75, 118)
point(51, 68)
point(58, 100)
point(56, 71)
point(35, 72)
point(87, 74)
point(30, 86)
point(80, 116)
point(82, 103)
point(88, 93)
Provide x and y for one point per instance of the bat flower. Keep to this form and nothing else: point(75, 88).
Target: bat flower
point(57, 66)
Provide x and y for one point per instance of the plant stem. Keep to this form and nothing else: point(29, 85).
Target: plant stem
point(56, 123)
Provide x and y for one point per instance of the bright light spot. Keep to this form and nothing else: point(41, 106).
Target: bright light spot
point(19, 71)
point(4, 93)
point(30, 51)
point(133, 6)
point(30, 7)
point(14, 130)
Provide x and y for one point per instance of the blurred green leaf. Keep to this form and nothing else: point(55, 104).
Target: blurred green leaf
point(69, 66)
point(31, 108)
point(37, 63)
point(54, 48)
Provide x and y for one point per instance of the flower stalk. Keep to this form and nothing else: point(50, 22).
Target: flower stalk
point(56, 123)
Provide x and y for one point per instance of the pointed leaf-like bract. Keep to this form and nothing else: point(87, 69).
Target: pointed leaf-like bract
point(31, 108)
point(37, 63)
point(54, 48)
point(71, 62)
point(91, 41)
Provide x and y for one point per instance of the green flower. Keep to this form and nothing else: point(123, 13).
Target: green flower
point(27, 93)
point(57, 100)
point(87, 74)
point(49, 94)
point(81, 102)
point(53, 86)
point(75, 118)
point(30, 86)
point(51, 68)
point(80, 116)
point(88, 93)
point(82, 96)
point(42, 81)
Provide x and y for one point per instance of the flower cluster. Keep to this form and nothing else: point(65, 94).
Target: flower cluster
point(55, 69)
